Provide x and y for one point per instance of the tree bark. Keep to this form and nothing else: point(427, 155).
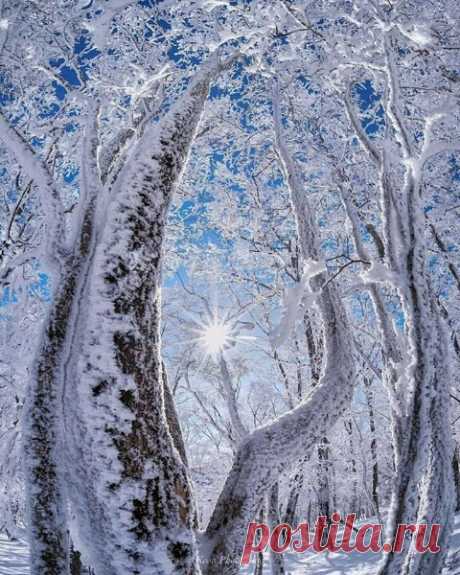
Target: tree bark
point(373, 446)
point(276, 559)
point(131, 491)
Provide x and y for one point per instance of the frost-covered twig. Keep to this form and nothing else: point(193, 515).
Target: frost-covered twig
point(37, 171)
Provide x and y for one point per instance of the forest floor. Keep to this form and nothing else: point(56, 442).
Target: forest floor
point(13, 560)
point(13, 557)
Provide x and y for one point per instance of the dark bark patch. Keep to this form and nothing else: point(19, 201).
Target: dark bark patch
point(128, 399)
point(179, 551)
point(122, 306)
point(140, 515)
point(125, 346)
point(99, 388)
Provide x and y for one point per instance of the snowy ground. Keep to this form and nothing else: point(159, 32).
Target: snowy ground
point(327, 564)
point(353, 563)
point(13, 560)
point(13, 557)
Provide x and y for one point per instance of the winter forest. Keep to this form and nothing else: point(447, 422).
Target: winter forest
point(229, 281)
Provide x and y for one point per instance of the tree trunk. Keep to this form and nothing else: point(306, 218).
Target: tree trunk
point(423, 490)
point(172, 419)
point(355, 504)
point(323, 479)
point(43, 442)
point(76, 567)
point(276, 447)
point(131, 490)
point(293, 498)
point(456, 472)
point(42, 421)
point(259, 566)
point(276, 559)
point(374, 447)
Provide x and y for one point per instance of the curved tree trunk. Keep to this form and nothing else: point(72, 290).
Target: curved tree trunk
point(272, 449)
point(278, 446)
point(127, 483)
point(133, 497)
point(419, 388)
point(43, 438)
point(423, 489)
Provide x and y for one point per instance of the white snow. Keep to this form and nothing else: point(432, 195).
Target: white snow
point(326, 564)
point(379, 273)
point(13, 560)
point(292, 298)
point(340, 563)
point(13, 557)
point(420, 35)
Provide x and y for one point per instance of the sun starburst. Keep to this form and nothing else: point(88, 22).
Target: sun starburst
point(215, 337)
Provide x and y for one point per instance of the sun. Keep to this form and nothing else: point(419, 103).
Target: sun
point(215, 337)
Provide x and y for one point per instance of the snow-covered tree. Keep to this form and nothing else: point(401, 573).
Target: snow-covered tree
point(299, 158)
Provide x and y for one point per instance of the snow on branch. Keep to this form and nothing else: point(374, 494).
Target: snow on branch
point(37, 171)
point(30, 163)
point(379, 273)
point(360, 133)
point(292, 299)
